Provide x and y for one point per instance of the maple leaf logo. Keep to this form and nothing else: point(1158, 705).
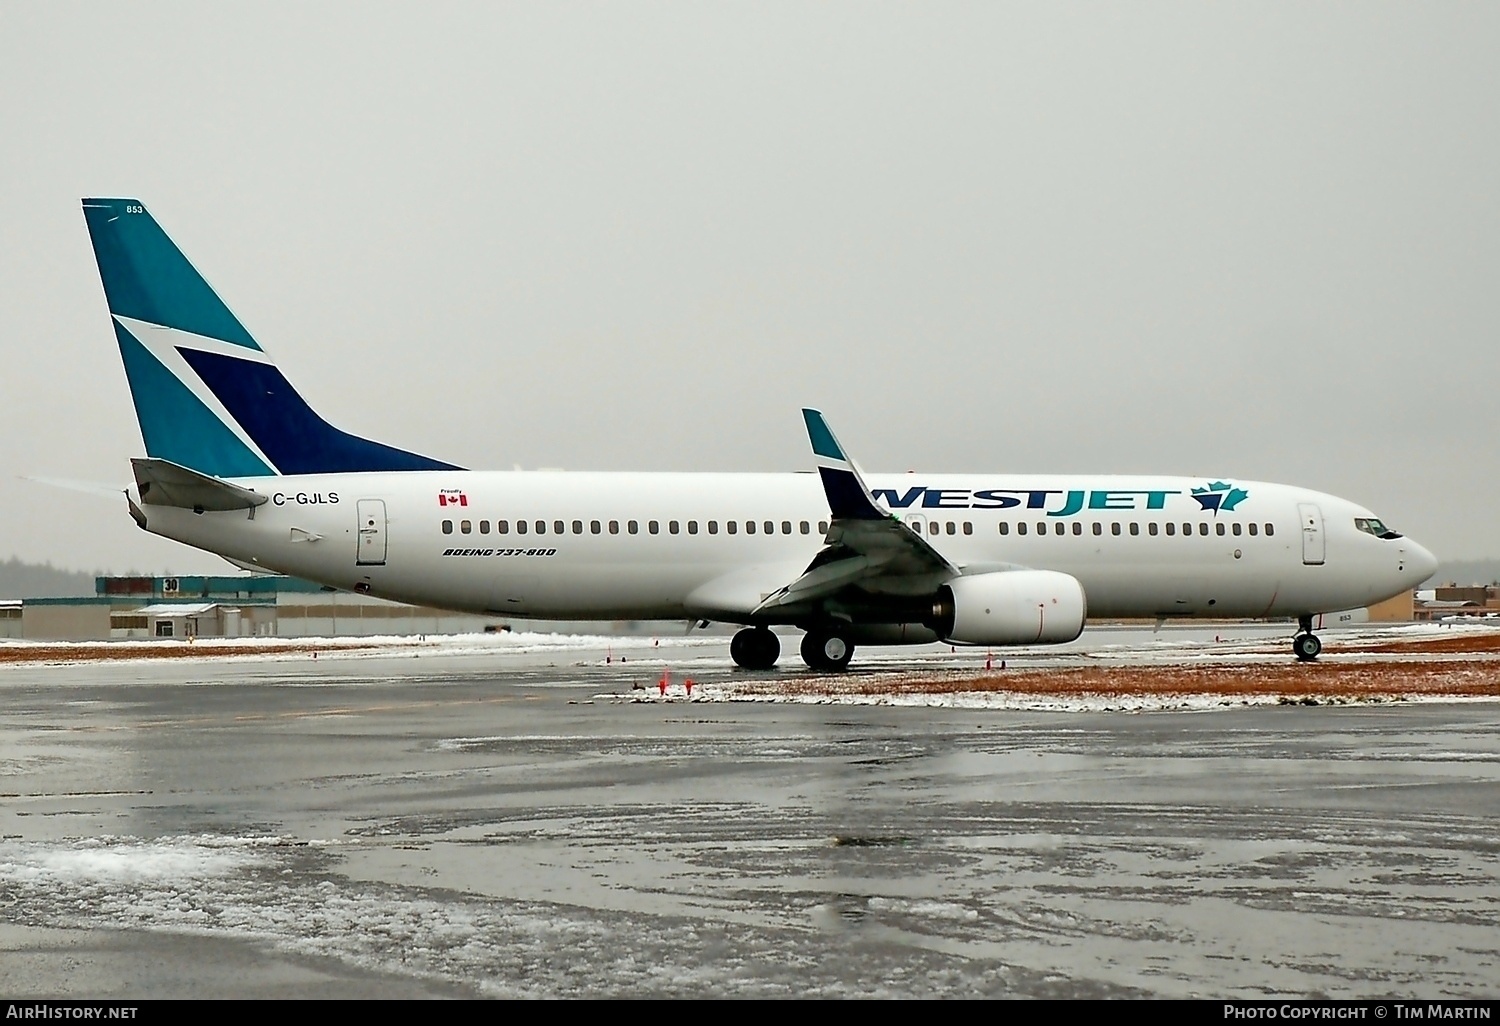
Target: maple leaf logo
point(1219, 495)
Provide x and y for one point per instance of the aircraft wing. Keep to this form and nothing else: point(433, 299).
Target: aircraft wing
point(867, 546)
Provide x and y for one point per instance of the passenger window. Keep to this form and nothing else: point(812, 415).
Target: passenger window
point(558, 527)
point(466, 526)
point(1187, 529)
point(692, 527)
point(1098, 528)
point(633, 526)
point(1236, 529)
point(731, 526)
point(786, 527)
point(541, 527)
point(968, 527)
point(1041, 527)
point(1114, 528)
point(806, 527)
point(1004, 527)
point(1270, 530)
point(1253, 529)
point(1077, 528)
point(1021, 527)
point(1171, 528)
point(653, 526)
point(1219, 530)
point(1059, 528)
point(578, 527)
point(1203, 529)
point(952, 527)
point(484, 527)
point(614, 527)
point(933, 527)
point(673, 527)
point(749, 526)
point(502, 527)
point(595, 527)
point(1151, 528)
point(770, 527)
point(447, 527)
point(713, 527)
point(822, 527)
point(1135, 528)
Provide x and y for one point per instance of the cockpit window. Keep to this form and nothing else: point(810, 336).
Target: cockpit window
point(1371, 525)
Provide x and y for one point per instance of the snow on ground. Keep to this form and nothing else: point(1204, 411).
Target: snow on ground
point(295, 896)
point(373, 646)
point(127, 860)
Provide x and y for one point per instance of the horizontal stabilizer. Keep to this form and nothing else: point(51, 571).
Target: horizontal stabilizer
point(99, 488)
point(162, 483)
point(257, 571)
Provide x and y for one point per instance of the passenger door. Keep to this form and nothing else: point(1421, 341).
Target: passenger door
point(1313, 542)
point(371, 533)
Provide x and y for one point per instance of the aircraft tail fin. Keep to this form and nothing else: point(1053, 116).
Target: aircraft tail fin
point(206, 395)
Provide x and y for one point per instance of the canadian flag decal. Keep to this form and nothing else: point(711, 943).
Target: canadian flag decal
point(452, 497)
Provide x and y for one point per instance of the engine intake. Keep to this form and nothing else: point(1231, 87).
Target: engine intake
point(1017, 607)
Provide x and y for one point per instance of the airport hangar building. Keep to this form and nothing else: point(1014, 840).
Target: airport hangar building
point(224, 607)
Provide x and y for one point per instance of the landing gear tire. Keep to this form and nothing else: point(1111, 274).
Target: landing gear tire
point(755, 648)
point(1306, 647)
point(826, 650)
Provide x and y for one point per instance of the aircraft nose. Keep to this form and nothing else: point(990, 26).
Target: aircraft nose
point(1420, 563)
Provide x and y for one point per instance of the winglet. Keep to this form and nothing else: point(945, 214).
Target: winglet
point(821, 436)
point(848, 498)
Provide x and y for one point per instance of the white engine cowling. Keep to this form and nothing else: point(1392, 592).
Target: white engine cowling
point(1016, 607)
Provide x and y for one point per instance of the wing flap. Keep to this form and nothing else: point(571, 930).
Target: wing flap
point(820, 582)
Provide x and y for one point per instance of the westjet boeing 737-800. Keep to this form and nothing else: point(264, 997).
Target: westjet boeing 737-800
point(238, 464)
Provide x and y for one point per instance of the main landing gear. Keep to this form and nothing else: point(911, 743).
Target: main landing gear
point(823, 648)
point(1305, 645)
point(826, 648)
point(755, 648)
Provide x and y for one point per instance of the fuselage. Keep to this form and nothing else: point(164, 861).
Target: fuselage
point(239, 464)
point(608, 546)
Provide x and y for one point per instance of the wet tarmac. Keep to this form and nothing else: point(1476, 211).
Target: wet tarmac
point(455, 827)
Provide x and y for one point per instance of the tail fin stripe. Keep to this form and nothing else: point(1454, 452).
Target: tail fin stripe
point(286, 429)
point(166, 346)
point(176, 424)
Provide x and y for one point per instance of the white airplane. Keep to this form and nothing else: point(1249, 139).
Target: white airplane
point(238, 464)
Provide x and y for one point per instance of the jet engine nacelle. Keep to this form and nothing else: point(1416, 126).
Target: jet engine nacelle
point(1016, 607)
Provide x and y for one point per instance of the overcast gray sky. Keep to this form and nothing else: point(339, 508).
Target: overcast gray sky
point(1253, 240)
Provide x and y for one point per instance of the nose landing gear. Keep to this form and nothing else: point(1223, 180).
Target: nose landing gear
point(1305, 645)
